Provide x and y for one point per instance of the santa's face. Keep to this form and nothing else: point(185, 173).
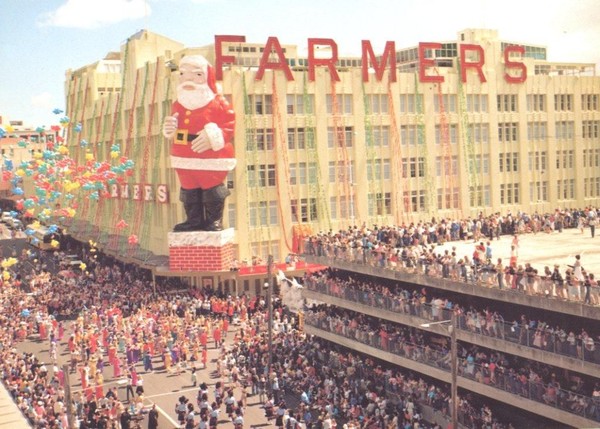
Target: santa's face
point(193, 91)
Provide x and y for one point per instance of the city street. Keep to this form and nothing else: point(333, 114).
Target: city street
point(160, 388)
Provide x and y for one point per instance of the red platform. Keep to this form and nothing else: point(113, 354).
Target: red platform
point(201, 250)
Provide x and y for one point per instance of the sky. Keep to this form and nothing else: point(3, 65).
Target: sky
point(41, 39)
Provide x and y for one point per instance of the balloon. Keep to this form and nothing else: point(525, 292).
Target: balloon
point(6, 275)
point(7, 263)
point(47, 154)
point(54, 244)
point(132, 239)
point(57, 178)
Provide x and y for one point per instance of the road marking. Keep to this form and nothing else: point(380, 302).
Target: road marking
point(93, 386)
point(176, 392)
point(168, 417)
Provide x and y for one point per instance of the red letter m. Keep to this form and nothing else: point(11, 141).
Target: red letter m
point(389, 55)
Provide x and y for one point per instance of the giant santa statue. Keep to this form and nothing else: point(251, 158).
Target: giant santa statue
point(201, 126)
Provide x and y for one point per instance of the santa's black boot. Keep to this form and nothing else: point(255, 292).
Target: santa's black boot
point(214, 205)
point(214, 215)
point(194, 210)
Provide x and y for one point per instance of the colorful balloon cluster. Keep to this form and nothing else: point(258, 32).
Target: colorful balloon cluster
point(57, 177)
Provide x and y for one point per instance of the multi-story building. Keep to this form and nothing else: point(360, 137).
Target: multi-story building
point(446, 129)
point(450, 129)
point(18, 144)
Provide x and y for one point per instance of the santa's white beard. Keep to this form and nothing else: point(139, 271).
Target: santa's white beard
point(195, 98)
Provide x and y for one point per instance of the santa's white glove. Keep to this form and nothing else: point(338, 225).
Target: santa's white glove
point(201, 143)
point(211, 137)
point(170, 126)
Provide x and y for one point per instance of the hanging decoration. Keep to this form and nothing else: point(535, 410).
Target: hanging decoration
point(280, 146)
point(467, 140)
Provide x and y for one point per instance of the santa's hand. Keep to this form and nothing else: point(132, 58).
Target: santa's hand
point(201, 143)
point(170, 125)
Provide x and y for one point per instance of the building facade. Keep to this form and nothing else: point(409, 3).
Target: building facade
point(450, 129)
point(18, 144)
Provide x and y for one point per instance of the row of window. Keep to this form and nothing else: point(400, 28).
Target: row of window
point(265, 213)
point(379, 136)
point(538, 191)
point(342, 104)
point(591, 187)
point(302, 173)
point(536, 52)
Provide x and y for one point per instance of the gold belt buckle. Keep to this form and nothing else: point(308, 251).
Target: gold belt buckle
point(181, 137)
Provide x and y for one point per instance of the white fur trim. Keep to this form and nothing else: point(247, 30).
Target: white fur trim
point(201, 238)
point(215, 136)
point(212, 164)
point(195, 61)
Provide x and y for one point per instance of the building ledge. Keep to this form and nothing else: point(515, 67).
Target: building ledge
point(511, 399)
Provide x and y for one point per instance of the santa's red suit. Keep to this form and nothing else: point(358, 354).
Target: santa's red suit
point(209, 168)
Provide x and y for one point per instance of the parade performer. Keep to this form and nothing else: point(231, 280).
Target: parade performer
point(201, 126)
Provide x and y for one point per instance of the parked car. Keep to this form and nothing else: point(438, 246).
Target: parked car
point(15, 224)
point(5, 217)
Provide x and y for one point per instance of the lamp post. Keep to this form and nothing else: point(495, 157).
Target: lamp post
point(452, 326)
point(269, 286)
point(68, 396)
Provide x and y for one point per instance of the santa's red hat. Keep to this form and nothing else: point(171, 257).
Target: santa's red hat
point(201, 62)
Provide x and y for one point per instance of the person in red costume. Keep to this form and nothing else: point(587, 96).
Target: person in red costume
point(201, 127)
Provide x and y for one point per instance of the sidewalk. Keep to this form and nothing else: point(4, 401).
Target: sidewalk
point(10, 415)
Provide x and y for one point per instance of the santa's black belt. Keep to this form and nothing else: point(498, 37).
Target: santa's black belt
point(183, 137)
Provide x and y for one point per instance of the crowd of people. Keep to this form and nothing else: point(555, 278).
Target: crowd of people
point(109, 335)
point(112, 322)
point(533, 380)
point(338, 387)
point(582, 343)
point(413, 248)
point(104, 317)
